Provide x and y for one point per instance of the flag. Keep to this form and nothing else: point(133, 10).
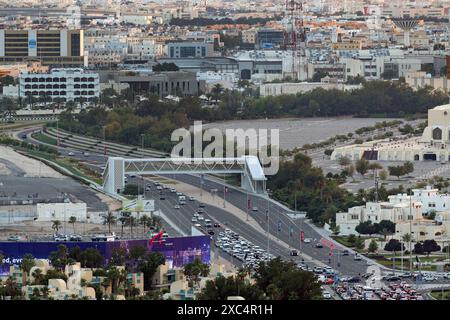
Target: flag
point(248, 203)
point(302, 236)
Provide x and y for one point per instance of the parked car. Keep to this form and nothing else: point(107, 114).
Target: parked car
point(294, 253)
point(307, 240)
point(319, 245)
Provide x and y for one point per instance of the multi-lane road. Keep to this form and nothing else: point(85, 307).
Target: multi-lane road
point(270, 216)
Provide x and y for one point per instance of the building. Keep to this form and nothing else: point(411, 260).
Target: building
point(275, 89)
point(65, 84)
point(399, 208)
point(61, 211)
point(433, 145)
point(58, 48)
point(269, 38)
point(164, 83)
point(421, 230)
point(192, 49)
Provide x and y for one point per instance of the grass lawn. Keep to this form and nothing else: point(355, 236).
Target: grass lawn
point(438, 295)
point(343, 240)
point(43, 138)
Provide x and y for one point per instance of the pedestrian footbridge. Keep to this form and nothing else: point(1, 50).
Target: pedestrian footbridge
point(249, 167)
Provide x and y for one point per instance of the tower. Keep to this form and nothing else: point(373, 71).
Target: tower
point(406, 25)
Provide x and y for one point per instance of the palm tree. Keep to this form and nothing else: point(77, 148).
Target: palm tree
point(157, 222)
point(109, 219)
point(25, 266)
point(72, 221)
point(123, 222)
point(193, 271)
point(216, 91)
point(38, 276)
point(56, 225)
point(408, 238)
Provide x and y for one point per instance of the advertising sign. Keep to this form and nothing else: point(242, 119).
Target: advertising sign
point(138, 205)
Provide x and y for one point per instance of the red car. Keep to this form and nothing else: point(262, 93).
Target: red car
point(329, 281)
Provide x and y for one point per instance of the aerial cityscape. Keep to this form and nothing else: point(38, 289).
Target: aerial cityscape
point(225, 150)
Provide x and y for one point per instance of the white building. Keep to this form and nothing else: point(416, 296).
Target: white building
point(70, 84)
point(434, 145)
point(61, 211)
point(399, 208)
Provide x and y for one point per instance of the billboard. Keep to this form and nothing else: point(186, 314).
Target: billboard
point(177, 251)
point(138, 205)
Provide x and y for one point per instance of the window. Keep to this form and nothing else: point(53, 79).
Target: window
point(437, 134)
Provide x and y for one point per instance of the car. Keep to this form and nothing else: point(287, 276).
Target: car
point(75, 237)
point(179, 193)
point(354, 280)
point(329, 281)
point(159, 188)
point(182, 202)
point(197, 225)
point(393, 278)
point(345, 253)
point(86, 154)
point(147, 189)
point(71, 153)
point(162, 197)
point(191, 198)
point(294, 253)
point(307, 240)
point(201, 205)
point(13, 238)
point(211, 232)
point(319, 245)
point(216, 225)
point(176, 206)
point(326, 295)
point(173, 190)
point(255, 209)
point(201, 218)
point(194, 219)
point(357, 257)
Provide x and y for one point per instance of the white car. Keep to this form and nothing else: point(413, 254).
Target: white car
point(307, 240)
point(86, 154)
point(71, 153)
point(179, 194)
point(201, 218)
point(198, 225)
point(326, 295)
point(158, 188)
point(173, 190)
point(176, 207)
point(194, 219)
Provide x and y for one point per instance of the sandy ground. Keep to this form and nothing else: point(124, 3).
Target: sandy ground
point(31, 167)
point(4, 171)
point(112, 203)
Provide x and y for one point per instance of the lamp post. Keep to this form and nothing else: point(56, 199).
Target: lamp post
point(268, 221)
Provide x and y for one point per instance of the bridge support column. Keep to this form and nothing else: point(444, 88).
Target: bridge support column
point(114, 175)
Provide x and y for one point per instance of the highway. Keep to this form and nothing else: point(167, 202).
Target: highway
point(280, 225)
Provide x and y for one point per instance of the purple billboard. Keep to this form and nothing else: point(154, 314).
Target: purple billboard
point(178, 251)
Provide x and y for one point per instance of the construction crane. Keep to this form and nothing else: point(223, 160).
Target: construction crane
point(295, 35)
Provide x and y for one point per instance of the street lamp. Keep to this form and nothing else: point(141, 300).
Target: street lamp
point(268, 221)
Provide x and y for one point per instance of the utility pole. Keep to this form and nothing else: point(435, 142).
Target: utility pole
point(268, 221)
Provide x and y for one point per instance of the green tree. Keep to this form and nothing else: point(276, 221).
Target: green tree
point(91, 258)
point(366, 227)
point(373, 246)
point(194, 270)
point(109, 219)
point(361, 166)
point(383, 175)
point(148, 265)
point(408, 167)
point(56, 225)
point(72, 221)
point(396, 171)
point(26, 265)
point(38, 277)
point(393, 246)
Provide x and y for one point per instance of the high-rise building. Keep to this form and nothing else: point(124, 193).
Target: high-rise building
point(59, 48)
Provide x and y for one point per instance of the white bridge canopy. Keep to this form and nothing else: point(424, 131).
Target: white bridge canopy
point(252, 173)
